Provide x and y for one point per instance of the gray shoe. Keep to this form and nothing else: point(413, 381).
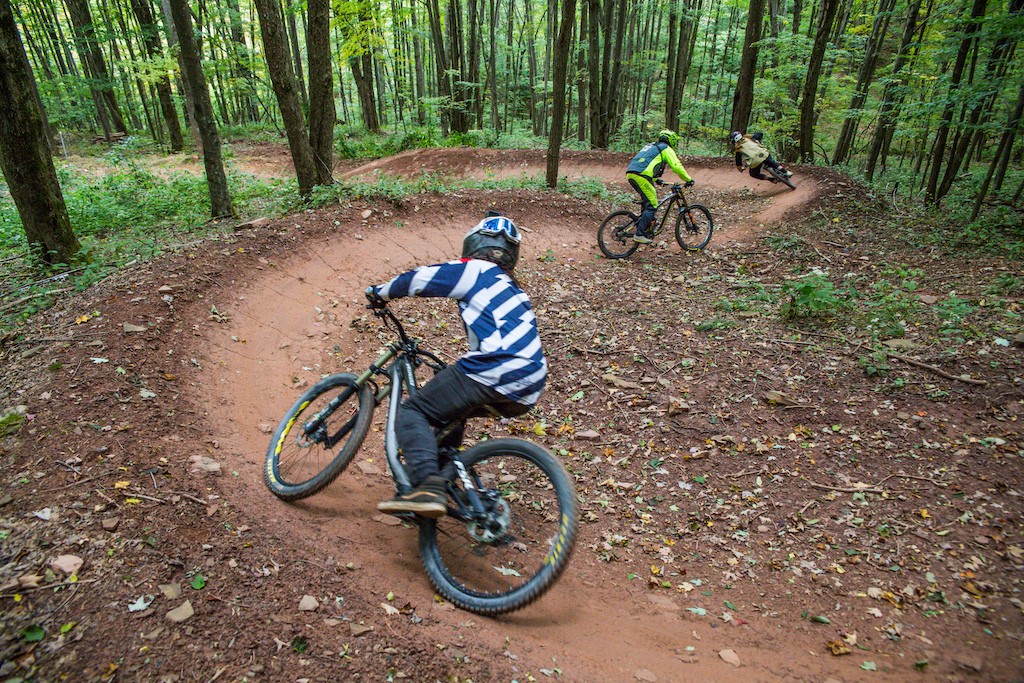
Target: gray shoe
point(642, 238)
point(429, 499)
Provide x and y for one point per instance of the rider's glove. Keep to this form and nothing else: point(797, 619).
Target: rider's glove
point(375, 299)
point(689, 183)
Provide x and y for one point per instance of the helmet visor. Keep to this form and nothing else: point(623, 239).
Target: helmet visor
point(498, 227)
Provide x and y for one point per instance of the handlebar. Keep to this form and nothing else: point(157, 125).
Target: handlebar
point(388, 318)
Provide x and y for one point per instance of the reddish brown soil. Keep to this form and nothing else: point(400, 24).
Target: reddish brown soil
point(714, 520)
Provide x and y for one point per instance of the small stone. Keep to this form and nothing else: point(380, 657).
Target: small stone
point(254, 223)
point(201, 463)
point(111, 523)
point(181, 613)
point(367, 213)
point(970, 662)
point(165, 289)
point(360, 629)
point(588, 435)
point(645, 676)
point(171, 591)
point(308, 604)
point(729, 657)
point(368, 467)
point(129, 327)
point(67, 564)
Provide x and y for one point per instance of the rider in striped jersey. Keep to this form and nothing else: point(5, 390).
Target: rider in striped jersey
point(504, 368)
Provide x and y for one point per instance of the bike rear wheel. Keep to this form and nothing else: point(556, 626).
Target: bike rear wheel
point(694, 227)
point(318, 437)
point(509, 560)
point(615, 236)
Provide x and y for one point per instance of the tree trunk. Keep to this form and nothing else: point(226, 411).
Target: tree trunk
point(293, 36)
point(889, 108)
point(942, 134)
point(282, 76)
point(216, 180)
point(560, 67)
point(88, 48)
point(809, 95)
point(151, 41)
point(872, 50)
point(321, 88)
point(1002, 157)
point(25, 154)
point(743, 100)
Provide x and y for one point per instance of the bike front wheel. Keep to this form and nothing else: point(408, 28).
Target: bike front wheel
point(318, 437)
point(615, 236)
point(508, 558)
point(781, 177)
point(694, 227)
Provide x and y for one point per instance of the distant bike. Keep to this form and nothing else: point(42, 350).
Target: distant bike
point(512, 516)
point(693, 225)
point(782, 176)
point(779, 174)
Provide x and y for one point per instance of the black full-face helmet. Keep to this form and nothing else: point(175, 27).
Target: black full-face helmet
point(496, 239)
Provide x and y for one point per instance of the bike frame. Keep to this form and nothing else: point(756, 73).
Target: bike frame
point(397, 364)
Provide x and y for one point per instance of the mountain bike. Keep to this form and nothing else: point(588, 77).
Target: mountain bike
point(512, 515)
point(780, 175)
point(693, 225)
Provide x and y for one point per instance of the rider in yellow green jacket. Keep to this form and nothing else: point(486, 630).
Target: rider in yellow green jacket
point(648, 164)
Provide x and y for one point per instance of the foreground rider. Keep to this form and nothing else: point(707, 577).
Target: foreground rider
point(648, 164)
point(505, 367)
point(751, 153)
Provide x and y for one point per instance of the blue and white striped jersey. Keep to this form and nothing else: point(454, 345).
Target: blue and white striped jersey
point(504, 345)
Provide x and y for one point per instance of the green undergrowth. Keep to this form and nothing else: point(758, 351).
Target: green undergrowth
point(131, 214)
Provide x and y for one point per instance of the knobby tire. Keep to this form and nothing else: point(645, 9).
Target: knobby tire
point(297, 466)
point(694, 227)
point(491, 578)
point(616, 233)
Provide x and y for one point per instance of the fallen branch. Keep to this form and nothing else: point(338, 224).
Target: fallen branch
point(862, 489)
point(937, 371)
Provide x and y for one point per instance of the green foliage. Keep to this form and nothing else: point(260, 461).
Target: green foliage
point(893, 304)
point(810, 296)
point(874, 364)
point(1006, 284)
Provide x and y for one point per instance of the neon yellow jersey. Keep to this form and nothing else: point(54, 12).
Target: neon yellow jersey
point(650, 162)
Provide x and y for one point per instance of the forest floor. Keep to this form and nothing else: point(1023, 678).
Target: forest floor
point(756, 507)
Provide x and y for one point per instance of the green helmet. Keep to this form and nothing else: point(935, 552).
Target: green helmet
point(669, 136)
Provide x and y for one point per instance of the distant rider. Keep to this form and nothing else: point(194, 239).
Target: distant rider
point(504, 368)
point(648, 164)
point(751, 153)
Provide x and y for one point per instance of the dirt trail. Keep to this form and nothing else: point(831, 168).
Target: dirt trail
point(709, 174)
point(291, 325)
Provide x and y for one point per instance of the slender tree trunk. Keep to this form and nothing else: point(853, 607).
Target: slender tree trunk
point(743, 100)
point(997, 169)
point(872, 50)
point(25, 154)
point(810, 90)
point(282, 76)
point(216, 180)
point(151, 41)
point(942, 133)
point(293, 35)
point(889, 108)
point(558, 114)
point(88, 48)
point(321, 88)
